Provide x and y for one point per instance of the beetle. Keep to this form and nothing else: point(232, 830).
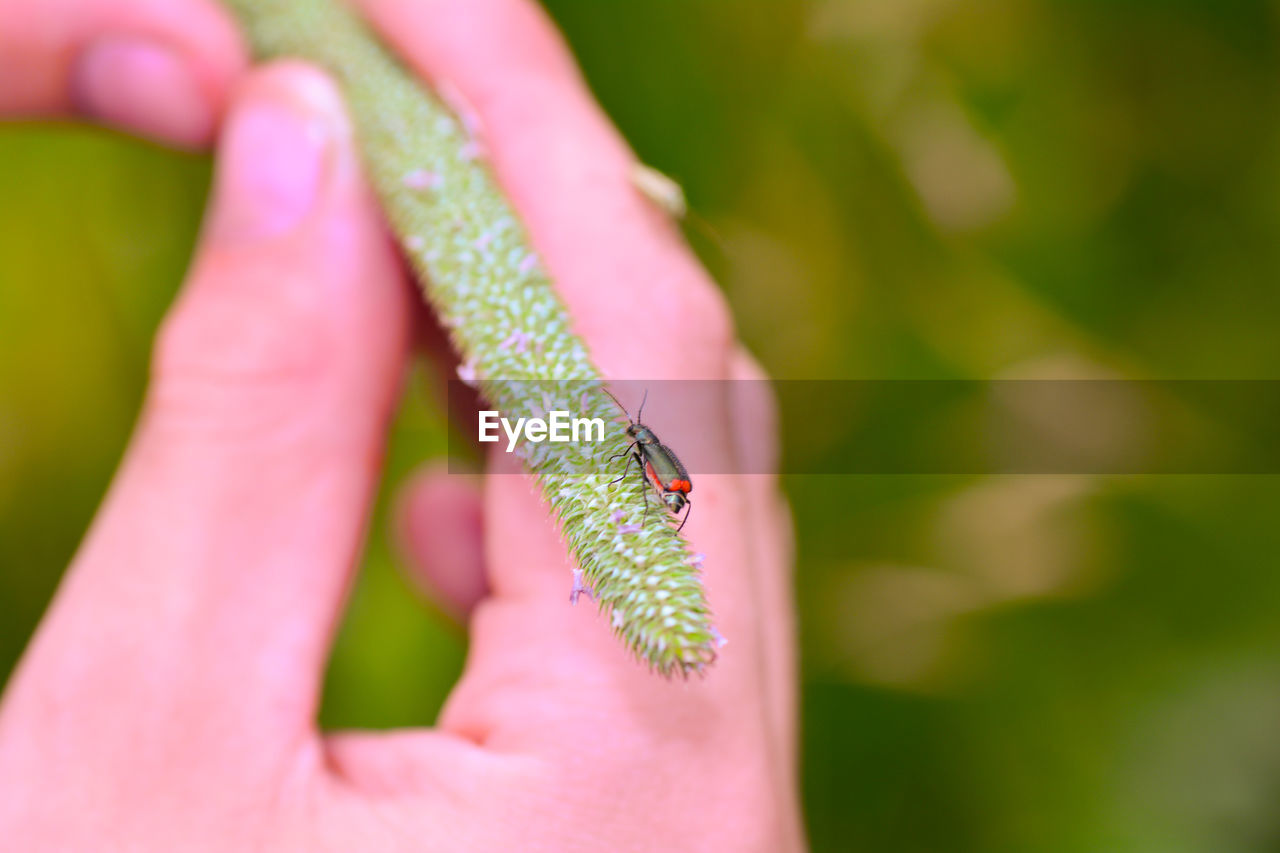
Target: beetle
point(659, 465)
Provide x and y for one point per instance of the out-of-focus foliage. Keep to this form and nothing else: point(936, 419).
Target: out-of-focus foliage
point(891, 188)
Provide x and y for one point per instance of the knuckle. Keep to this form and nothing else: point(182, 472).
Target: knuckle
point(715, 320)
point(238, 362)
point(756, 402)
point(700, 317)
point(239, 349)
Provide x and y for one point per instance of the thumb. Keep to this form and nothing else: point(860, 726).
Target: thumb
point(208, 587)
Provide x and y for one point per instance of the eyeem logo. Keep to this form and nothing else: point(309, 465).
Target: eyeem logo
point(560, 427)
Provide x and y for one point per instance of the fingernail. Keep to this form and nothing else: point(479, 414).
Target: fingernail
point(271, 164)
point(147, 87)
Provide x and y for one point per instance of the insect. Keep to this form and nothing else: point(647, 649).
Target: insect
point(659, 466)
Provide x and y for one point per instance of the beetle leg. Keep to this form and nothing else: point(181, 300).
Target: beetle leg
point(644, 485)
point(620, 455)
point(688, 508)
point(626, 467)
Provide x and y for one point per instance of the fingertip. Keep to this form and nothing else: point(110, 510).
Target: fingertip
point(439, 526)
point(295, 81)
point(133, 83)
point(285, 137)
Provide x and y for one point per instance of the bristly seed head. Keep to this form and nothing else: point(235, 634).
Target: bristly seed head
point(478, 270)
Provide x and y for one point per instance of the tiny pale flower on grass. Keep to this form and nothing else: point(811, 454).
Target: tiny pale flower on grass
point(483, 279)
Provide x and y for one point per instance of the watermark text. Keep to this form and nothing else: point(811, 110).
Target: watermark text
point(557, 426)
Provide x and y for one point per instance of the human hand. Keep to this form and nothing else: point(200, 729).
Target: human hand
point(168, 700)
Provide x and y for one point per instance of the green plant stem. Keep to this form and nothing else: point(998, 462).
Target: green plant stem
point(480, 274)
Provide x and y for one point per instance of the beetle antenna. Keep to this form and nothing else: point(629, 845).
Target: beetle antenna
point(616, 400)
point(642, 402)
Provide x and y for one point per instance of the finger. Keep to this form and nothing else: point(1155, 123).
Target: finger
point(162, 68)
point(205, 594)
point(615, 256)
point(441, 530)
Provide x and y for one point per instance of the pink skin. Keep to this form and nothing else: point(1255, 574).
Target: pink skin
point(168, 699)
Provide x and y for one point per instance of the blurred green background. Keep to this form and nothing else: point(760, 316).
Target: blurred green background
point(897, 189)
